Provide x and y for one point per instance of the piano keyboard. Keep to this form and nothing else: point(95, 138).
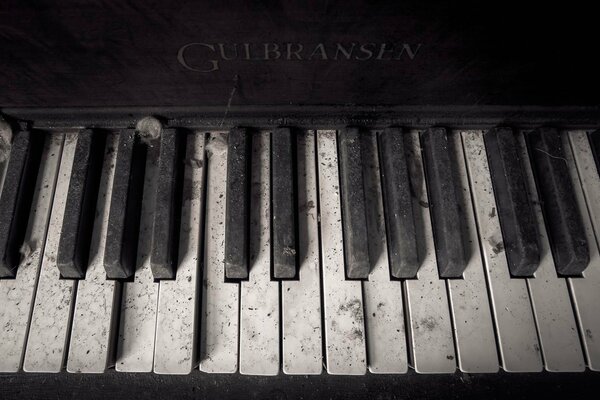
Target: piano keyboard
point(302, 251)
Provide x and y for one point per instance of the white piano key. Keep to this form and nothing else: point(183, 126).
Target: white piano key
point(51, 317)
point(139, 300)
point(220, 300)
point(259, 296)
point(470, 305)
point(3, 165)
point(17, 295)
point(96, 303)
point(383, 303)
point(301, 299)
point(342, 299)
point(549, 293)
point(429, 329)
point(178, 300)
point(513, 315)
point(586, 291)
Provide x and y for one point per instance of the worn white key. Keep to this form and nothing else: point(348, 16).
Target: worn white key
point(3, 165)
point(135, 344)
point(586, 291)
point(513, 315)
point(470, 305)
point(220, 300)
point(259, 296)
point(301, 299)
point(430, 328)
point(384, 309)
point(178, 300)
point(96, 303)
point(17, 295)
point(342, 299)
point(51, 317)
point(549, 293)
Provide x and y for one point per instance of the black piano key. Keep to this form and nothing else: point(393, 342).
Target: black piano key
point(563, 220)
point(595, 144)
point(354, 216)
point(443, 202)
point(78, 222)
point(397, 203)
point(515, 213)
point(165, 229)
point(17, 195)
point(283, 204)
point(237, 203)
point(125, 207)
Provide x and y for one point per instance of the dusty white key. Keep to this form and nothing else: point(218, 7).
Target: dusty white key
point(219, 319)
point(259, 296)
point(16, 295)
point(513, 315)
point(470, 306)
point(178, 300)
point(96, 303)
point(557, 329)
point(3, 165)
point(383, 303)
point(430, 328)
point(586, 291)
point(51, 317)
point(342, 301)
point(135, 344)
point(301, 299)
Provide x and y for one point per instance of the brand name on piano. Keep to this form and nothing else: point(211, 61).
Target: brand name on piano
point(207, 57)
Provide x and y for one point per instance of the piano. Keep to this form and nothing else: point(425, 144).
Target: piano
point(234, 211)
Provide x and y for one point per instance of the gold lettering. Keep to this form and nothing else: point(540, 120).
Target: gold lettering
point(341, 49)
point(181, 58)
point(319, 49)
point(296, 53)
point(364, 49)
point(383, 51)
point(409, 52)
point(273, 50)
point(222, 50)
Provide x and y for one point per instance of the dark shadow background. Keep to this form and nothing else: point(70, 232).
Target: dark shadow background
point(124, 53)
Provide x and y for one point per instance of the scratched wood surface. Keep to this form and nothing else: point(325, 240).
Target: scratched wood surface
point(203, 386)
point(113, 52)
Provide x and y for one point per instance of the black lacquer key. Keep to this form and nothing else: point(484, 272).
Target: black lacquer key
point(563, 219)
point(397, 202)
point(16, 197)
point(443, 203)
point(515, 212)
point(237, 203)
point(283, 204)
point(125, 206)
point(165, 228)
point(354, 217)
point(78, 221)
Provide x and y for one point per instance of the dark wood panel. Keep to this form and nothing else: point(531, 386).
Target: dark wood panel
point(202, 386)
point(114, 52)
